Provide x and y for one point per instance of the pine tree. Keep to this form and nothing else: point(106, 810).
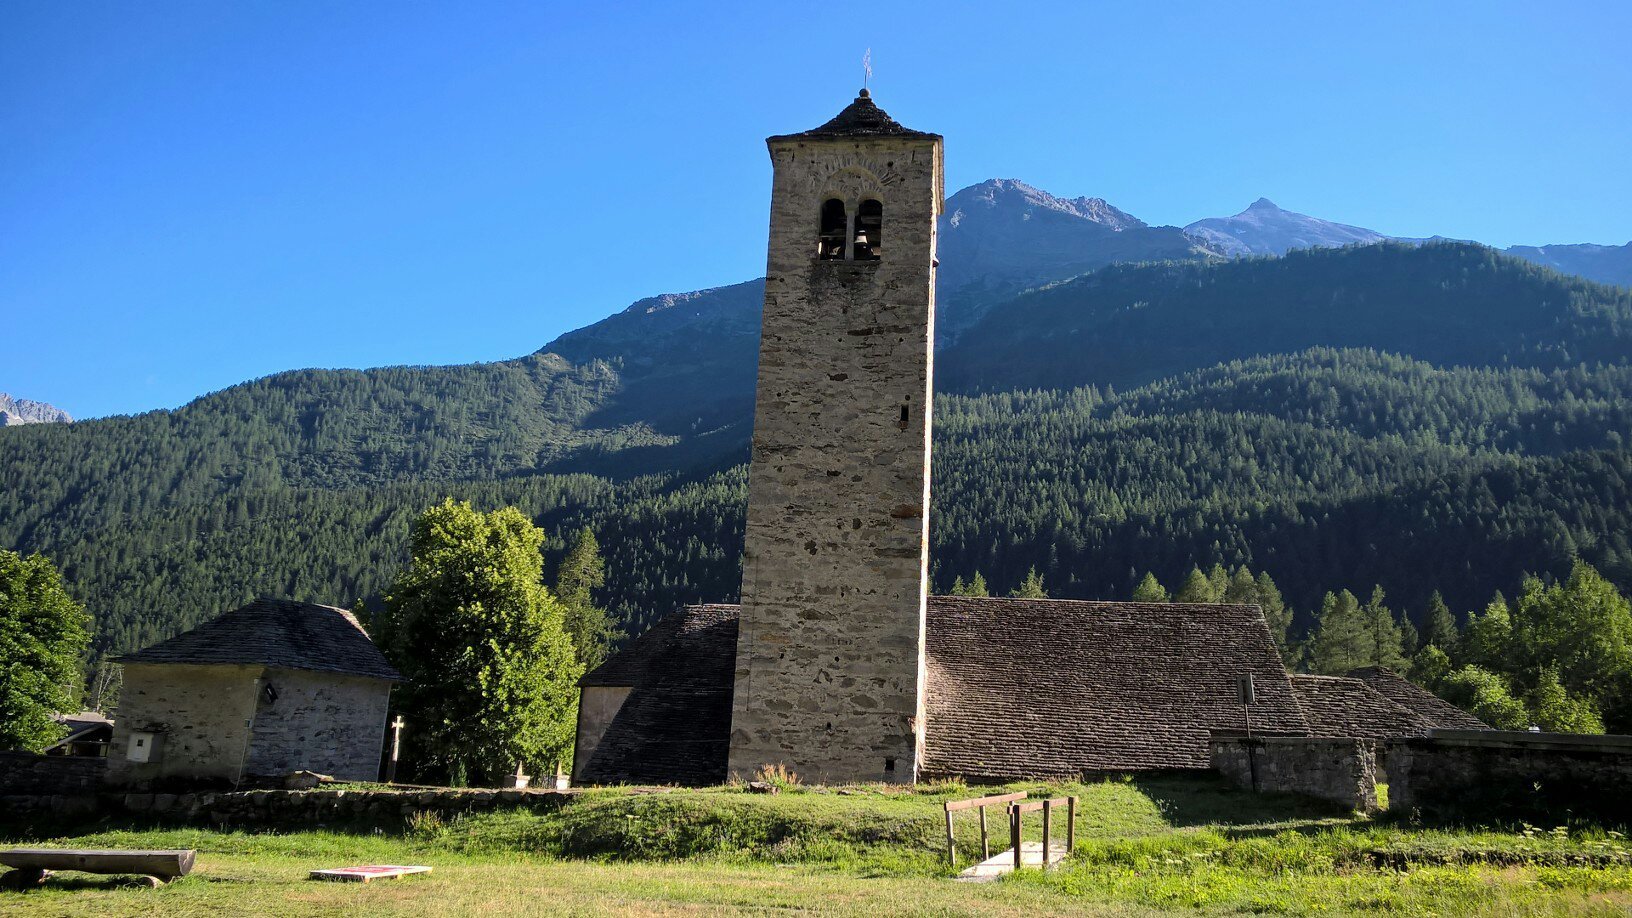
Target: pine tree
point(975, 587)
point(1387, 641)
point(582, 571)
point(1343, 637)
point(43, 637)
point(1197, 588)
point(1439, 626)
point(491, 673)
point(1031, 587)
point(1150, 590)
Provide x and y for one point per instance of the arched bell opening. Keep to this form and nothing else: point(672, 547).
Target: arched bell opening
point(869, 241)
point(835, 229)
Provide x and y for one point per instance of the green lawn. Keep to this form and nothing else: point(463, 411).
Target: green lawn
point(1151, 846)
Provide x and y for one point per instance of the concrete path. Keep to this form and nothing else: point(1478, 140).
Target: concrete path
point(1031, 855)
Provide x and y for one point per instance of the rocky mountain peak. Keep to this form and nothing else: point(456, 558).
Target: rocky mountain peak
point(15, 411)
point(1266, 229)
point(1016, 198)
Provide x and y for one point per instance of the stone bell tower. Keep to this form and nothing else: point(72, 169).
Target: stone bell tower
point(830, 648)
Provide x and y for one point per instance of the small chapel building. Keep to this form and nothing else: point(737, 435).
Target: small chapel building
point(272, 688)
point(837, 663)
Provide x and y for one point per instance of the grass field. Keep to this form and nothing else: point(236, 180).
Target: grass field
point(1152, 846)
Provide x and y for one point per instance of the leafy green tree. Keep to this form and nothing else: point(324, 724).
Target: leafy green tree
point(1581, 631)
point(1031, 587)
point(975, 587)
point(1343, 637)
point(1483, 694)
point(1430, 666)
point(592, 629)
point(1487, 640)
point(491, 674)
point(1439, 626)
point(1557, 711)
point(1150, 590)
point(43, 637)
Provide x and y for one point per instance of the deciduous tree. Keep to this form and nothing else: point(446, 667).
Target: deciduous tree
point(491, 673)
point(43, 637)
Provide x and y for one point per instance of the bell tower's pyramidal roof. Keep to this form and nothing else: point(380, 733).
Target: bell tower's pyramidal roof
point(861, 118)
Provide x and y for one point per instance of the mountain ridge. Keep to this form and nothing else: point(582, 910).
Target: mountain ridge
point(15, 412)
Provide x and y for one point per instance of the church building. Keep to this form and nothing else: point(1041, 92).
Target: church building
point(838, 664)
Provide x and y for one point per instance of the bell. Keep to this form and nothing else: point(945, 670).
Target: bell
point(861, 238)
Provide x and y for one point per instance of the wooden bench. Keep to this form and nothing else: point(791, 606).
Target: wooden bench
point(32, 865)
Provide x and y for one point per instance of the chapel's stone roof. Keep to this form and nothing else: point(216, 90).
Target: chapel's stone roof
point(1016, 687)
point(861, 118)
point(1345, 707)
point(1434, 711)
point(1036, 687)
point(675, 727)
point(277, 632)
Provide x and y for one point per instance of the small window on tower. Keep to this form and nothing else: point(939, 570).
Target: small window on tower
point(830, 247)
point(869, 231)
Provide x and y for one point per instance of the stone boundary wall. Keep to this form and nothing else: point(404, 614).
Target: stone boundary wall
point(1343, 771)
point(285, 808)
point(1509, 776)
point(51, 783)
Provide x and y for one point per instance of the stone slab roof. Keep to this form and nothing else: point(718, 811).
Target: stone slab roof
point(861, 118)
point(1341, 706)
point(1030, 687)
point(1434, 711)
point(675, 727)
point(1016, 687)
point(277, 632)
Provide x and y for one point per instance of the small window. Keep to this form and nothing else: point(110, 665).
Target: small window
point(835, 225)
point(869, 230)
point(905, 421)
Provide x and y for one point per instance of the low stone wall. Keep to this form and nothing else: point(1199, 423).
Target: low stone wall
point(1343, 771)
point(1508, 776)
point(321, 807)
point(49, 783)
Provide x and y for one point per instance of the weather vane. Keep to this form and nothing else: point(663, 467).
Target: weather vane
point(866, 68)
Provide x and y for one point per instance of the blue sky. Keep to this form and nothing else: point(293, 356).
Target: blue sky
point(195, 194)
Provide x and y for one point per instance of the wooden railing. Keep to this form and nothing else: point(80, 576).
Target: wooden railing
point(980, 803)
point(1017, 810)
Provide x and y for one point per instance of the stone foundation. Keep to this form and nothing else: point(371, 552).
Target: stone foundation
point(1343, 771)
point(1494, 775)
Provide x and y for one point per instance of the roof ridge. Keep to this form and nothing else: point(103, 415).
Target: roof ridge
point(280, 633)
point(861, 118)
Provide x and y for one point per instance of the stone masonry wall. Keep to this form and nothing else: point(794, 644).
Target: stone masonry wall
point(829, 677)
point(280, 808)
point(324, 722)
point(201, 712)
point(1340, 770)
point(27, 773)
point(1507, 776)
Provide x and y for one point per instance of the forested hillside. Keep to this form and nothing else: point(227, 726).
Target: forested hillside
point(1145, 418)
